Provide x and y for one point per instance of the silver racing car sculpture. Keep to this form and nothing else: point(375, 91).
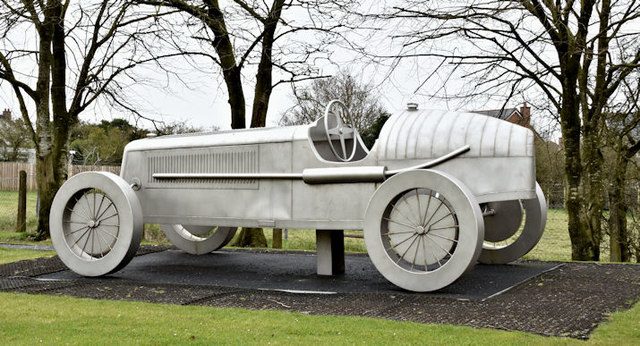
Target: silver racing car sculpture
point(438, 192)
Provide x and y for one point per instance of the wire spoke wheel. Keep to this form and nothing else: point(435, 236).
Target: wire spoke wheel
point(96, 223)
point(198, 240)
point(91, 224)
point(420, 230)
point(423, 229)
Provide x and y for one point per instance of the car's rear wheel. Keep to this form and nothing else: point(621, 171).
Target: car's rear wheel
point(506, 237)
point(96, 223)
point(423, 229)
point(198, 240)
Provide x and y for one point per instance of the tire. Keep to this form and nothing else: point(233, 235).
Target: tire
point(198, 240)
point(96, 223)
point(508, 242)
point(423, 230)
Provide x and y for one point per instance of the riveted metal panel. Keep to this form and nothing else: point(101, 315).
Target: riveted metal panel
point(444, 131)
point(502, 140)
point(432, 133)
point(424, 145)
point(388, 134)
point(461, 127)
point(474, 134)
point(220, 139)
point(488, 140)
point(531, 148)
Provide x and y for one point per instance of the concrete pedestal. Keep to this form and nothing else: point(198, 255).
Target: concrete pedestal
point(330, 252)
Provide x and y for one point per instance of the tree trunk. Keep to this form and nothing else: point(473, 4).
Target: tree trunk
point(233, 80)
point(619, 240)
point(582, 242)
point(230, 69)
point(53, 137)
point(254, 237)
point(593, 189)
point(49, 178)
point(261, 99)
point(277, 238)
point(264, 82)
point(251, 237)
point(21, 220)
point(44, 170)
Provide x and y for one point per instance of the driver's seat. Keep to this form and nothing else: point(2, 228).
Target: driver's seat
point(318, 138)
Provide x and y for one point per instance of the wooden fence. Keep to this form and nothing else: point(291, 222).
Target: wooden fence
point(10, 174)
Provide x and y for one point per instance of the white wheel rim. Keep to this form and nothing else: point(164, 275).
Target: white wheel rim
point(91, 224)
point(524, 239)
point(419, 230)
point(94, 241)
point(198, 240)
point(453, 254)
point(504, 223)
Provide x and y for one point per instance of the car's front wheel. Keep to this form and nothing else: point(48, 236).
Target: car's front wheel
point(96, 223)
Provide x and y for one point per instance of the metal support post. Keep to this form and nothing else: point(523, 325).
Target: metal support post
point(330, 251)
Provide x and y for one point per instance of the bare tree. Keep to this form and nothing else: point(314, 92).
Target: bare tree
point(575, 54)
point(180, 127)
point(623, 136)
point(59, 57)
point(286, 36)
point(312, 100)
point(549, 170)
point(282, 37)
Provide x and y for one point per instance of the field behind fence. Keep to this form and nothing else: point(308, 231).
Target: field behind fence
point(9, 184)
point(10, 174)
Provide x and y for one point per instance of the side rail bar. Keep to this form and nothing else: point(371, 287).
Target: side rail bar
point(432, 163)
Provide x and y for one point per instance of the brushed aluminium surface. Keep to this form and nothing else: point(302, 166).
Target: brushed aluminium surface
point(271, 189)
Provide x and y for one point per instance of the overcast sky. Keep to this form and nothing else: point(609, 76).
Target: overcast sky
point(203, 102)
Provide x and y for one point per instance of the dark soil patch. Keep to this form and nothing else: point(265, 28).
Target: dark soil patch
point(569, 301)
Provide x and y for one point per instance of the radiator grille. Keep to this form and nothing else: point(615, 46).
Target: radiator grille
point(243, 159)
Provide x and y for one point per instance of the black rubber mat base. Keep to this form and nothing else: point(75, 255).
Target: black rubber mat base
point(296, 272)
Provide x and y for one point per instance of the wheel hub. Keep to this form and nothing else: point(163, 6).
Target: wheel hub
point(420, 230)
point(93, 223)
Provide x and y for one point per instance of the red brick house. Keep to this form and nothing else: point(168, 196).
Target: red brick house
point(521, 116)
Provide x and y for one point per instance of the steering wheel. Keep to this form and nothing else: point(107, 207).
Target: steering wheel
point(335, 116)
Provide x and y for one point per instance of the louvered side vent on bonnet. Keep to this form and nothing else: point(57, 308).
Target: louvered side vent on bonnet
point(243, 159)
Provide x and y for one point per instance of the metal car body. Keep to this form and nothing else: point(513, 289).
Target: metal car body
point(438, 191)
point(171, 171)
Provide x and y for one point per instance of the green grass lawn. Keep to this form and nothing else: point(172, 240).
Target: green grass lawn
point(555, 244)
point(33, 319)
point(8, 255)
point(305, 239)
point(9, 210)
